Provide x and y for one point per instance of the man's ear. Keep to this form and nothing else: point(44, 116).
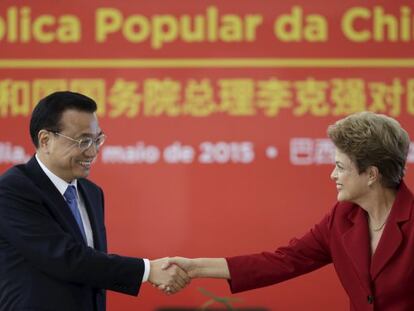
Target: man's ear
point(44, 141)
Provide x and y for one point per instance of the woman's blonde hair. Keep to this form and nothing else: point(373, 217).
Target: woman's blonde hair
point(371, 139)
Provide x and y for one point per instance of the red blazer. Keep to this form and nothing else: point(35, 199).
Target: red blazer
point(384, 281)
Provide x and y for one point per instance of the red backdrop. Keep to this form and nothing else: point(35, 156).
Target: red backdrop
point(216, 117)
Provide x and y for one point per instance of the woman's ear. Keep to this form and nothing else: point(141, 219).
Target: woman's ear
point(373, 175)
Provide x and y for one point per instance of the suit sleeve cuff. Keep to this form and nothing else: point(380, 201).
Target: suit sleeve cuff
point(146, 271)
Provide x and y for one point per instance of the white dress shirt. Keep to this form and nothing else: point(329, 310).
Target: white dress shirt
point(61, 186)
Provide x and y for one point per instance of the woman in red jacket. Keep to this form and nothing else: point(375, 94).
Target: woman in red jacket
point(368, 235)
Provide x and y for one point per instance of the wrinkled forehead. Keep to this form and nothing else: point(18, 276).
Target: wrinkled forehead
point(80, 123)
point(342, 157)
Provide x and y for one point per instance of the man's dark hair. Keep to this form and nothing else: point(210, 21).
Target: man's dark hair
point(48, 112)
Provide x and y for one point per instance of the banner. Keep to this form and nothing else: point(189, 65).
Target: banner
point(216, 117)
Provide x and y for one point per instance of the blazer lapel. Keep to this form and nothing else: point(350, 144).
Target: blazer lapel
point(54, 200)
point(392, 235)
point(357, 246)
point(90, 208)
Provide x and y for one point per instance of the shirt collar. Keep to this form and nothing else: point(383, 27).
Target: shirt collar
point(59, 183)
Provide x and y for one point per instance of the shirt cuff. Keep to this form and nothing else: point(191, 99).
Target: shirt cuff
point(146, 271)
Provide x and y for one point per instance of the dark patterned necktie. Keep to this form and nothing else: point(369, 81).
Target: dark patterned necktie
point(70, 196)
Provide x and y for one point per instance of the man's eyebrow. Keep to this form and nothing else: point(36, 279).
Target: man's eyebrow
point(90, 135)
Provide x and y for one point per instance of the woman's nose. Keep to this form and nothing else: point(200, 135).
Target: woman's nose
point(333, 174)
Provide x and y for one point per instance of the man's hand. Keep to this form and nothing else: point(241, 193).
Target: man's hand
point(187, 264)
point(201, 267)
point(170, 279)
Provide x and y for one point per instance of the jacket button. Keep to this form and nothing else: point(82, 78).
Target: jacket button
point(370, 299)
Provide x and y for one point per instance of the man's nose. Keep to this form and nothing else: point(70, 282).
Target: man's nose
point(92, 150)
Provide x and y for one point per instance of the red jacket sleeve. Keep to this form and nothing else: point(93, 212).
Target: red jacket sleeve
point(301, 256)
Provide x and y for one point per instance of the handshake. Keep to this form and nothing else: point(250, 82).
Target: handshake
point(171, 275)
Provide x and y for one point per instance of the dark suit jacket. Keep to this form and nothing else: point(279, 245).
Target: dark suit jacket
point(44, 262)
point(384, 281)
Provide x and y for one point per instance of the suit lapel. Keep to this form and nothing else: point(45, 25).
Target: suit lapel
point(392, 235)
point(54, 200)
point(90, 208)
point(357, 245)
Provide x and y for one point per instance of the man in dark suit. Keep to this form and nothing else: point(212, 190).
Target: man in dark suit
point(53, 252)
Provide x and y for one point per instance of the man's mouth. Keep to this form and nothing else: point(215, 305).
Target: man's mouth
point(86, 164)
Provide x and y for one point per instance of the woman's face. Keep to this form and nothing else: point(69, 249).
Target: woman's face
point(351, 185)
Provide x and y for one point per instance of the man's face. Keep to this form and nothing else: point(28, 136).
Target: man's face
point(62, 155)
